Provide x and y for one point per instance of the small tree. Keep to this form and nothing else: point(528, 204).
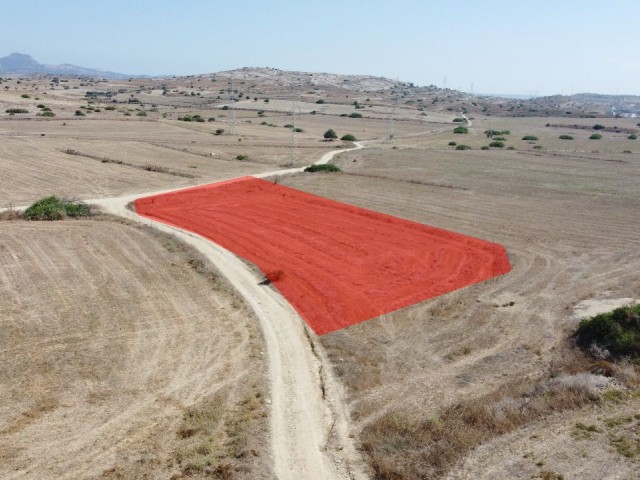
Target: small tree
point(330, 134)
point(348, 138)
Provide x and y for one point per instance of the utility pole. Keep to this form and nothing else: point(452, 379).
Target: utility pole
point(231, 114)
point(293, 156)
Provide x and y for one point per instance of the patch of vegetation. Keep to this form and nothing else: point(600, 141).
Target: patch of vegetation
point(531, 138)
point(348, 138)
point(565, 137)
point(537, 147)
point(492, 133)
point(141, 114)
point(484, 147)
point(597, 126)
point(320, 102)
point(242, 157)
point(633, 136)
point(595, 136)
point(47, 114)
point(497, 144)
point(459, 120)
point(616, 333)
point(219, 131)
point(25, 95)
point(461, 130)
point(326, 167)
point(452, 144)
point(355, 115)
point(463, 147)
point(54, 208)
point(13, 111)
point(330, 134)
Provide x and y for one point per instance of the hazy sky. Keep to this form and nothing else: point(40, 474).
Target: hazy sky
point(515, 46)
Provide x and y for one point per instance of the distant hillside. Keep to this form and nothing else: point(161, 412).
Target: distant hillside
point(22, 64)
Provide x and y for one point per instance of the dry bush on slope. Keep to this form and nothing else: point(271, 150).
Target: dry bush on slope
point(405, 448)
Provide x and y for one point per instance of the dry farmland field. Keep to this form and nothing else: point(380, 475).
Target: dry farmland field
point(123, 357)
point(126, 355)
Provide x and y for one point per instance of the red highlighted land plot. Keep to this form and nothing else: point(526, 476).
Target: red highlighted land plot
point(336, 264)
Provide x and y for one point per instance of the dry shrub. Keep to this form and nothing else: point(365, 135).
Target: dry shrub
point(409, 448)
point(274, 275)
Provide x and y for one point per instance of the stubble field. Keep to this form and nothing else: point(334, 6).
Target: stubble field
point(120, 359)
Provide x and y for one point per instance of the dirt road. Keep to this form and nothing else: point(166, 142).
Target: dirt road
point(309, 421)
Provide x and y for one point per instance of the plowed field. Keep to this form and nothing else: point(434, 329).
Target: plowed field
point(336, 264)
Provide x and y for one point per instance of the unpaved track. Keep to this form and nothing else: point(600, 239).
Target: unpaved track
point(309, 421)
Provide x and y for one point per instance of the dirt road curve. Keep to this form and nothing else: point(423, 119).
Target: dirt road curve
point(310, 434)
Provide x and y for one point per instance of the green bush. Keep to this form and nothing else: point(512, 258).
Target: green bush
point(348, 138)
point(597, 126)
point(325, 167)
point(298, 130)
point(463, 147)
point(242, 157)
point(141, 114)
point(484, 147)
point(288, 125)
point(47, 114)
point(41, 105)
point(595, 136)
point(491, 133)
point(538, 147)
point(110, 108)
point(633, 136)
point(330, 134)
point(219, 131)
point(79, 113)
point(497, 144)
point(13, 111)
point(355, 115)
point(321, 101)
point(25, 95)
point(459, 120)
point(452, 144)
point(461, 130)
point(617, 331)
point(53, 208)
point(531, 138)
point(565, 137)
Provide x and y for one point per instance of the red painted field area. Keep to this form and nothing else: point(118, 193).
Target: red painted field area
point(340, 264)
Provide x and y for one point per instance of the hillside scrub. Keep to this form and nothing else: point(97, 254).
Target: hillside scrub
point(348, 138)
point(612, 334)
point(461, 130)
point(54, 208)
